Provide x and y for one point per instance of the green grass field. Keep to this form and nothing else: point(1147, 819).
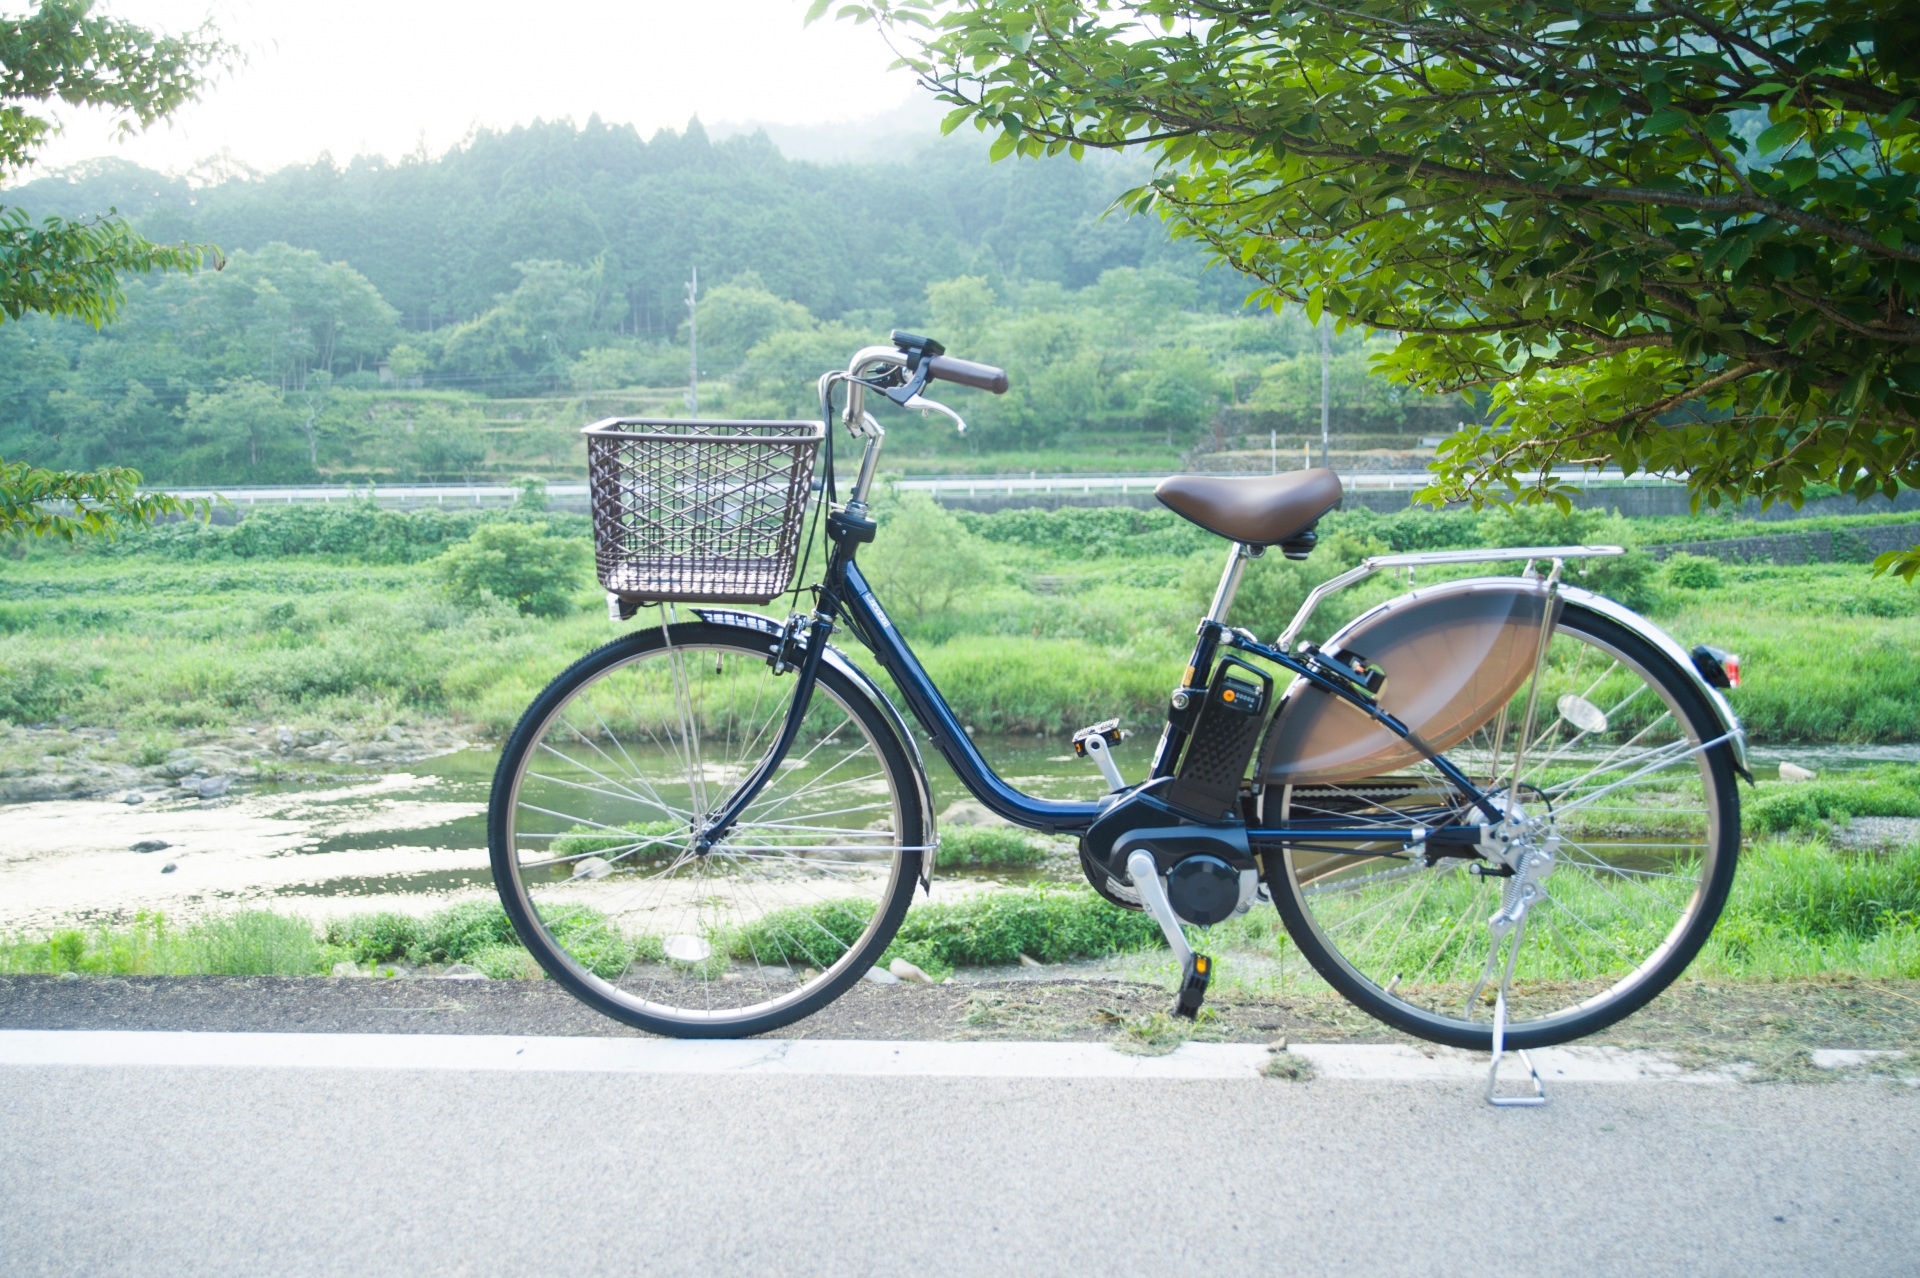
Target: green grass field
point(1799, 908)
point(1029, 621)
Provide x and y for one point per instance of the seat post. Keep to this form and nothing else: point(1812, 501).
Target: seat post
point(1237, 555)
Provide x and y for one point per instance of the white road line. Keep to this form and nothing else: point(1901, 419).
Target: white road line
point(461, 1052)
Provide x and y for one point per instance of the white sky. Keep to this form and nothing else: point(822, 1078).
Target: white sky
point(378, 76)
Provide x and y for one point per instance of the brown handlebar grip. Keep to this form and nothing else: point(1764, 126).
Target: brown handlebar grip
point(944, 368)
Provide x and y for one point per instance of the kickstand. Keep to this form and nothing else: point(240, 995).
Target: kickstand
point(1510, 925)
point(1539, 1096)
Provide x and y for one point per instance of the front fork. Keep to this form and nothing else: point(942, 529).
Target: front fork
point(847, 528)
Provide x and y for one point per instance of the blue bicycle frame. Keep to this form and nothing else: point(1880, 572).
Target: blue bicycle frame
point(901, 373)
point(845, 593)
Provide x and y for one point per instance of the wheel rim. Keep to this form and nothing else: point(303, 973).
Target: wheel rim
point(1637, 831)
point(599, 830)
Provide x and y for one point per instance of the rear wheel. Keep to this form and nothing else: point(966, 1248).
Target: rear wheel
point(615, 765)
point(1644, 831)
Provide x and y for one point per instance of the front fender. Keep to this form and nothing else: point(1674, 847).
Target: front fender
point(840, 662)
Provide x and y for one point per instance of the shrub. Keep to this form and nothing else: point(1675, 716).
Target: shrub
point(810, 934)
point(1849, 547)
point(1802, 805)
point(657, 838)
point(253, 943)
point(975, 846)
point(374, 938)
point(456, 934)
point(1049, 924)
point(517, 564)
point(1692, 572)
point(1804, 889)
point(1626, 579)
point(924, 558)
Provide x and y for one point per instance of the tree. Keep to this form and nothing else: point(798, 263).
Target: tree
point(739, 315)
point(515, 564)
point(924, 557)
point(62, 50)
point(1664, 236)
point(229, 433)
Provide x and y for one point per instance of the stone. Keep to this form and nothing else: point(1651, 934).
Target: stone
point(463, 972)
point(1794, 772)
point(594, 867)
point(1028, 960)
point(135, 798)
point(880, 976)
point(214, 787)
point(686, 948)
point(908, 972)
point(396, 733)
point(344, 968)
point(169, 867)
point(151, 845)
point(69, 976)
point(179, 764)
point(283, 739)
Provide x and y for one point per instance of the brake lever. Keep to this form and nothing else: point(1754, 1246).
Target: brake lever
point(924, 404)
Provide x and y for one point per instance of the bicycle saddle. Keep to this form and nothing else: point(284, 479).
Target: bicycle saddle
point(1259, 510)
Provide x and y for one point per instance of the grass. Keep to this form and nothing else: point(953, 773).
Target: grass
point(1779, 806)
point(1082, 615)
point(248, 943)
point(1799, 908)
point(989, 847)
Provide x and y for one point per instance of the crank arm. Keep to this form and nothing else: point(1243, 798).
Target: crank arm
point(1195, 969)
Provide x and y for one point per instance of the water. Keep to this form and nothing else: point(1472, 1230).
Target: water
point(416, 840)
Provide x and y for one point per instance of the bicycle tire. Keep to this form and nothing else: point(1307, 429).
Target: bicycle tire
point(527, 885)
point(1348, 964)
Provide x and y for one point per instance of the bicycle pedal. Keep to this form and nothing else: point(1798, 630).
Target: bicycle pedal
point(1193, 986)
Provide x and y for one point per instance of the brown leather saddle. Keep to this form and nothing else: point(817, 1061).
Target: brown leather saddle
point(1259, 510)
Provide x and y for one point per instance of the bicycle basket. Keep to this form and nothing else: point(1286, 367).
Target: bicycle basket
point(698, 511)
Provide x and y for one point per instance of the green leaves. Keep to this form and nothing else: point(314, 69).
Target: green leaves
point(73, 268)
point(64, 504)
point(62, 50)
point(1556, 206)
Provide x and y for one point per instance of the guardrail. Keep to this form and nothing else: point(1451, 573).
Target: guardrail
point(1359, 481)
point(936, 486)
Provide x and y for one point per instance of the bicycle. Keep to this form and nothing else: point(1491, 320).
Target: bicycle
point(1492, 812)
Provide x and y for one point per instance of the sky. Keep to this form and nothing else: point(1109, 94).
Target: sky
point(384, 77)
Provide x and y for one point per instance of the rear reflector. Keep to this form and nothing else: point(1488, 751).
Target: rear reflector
point(1717, 666)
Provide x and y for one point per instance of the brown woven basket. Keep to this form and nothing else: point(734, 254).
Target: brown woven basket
point(698, 511)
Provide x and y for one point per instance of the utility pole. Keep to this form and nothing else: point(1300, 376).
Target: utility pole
point(1326, 382)
point(693, 344)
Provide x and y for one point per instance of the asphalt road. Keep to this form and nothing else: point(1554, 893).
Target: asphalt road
point(157, 1170)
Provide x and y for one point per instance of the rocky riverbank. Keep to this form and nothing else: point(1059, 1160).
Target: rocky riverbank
point(62, 761)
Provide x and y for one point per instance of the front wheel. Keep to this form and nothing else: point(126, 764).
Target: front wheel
point(1642, 823)
point(619, 760)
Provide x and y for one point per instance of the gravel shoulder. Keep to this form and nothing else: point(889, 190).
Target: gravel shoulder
point(1772, 1025)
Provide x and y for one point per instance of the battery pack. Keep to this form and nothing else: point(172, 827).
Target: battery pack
point(1224, 735)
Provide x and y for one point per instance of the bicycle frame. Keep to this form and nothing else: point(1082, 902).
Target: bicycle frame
point(845, 594)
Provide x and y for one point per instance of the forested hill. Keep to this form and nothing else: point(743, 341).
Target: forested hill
point(460, 317)
point(439, 237)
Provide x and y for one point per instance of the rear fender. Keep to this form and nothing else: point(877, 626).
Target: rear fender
point(1453, 655)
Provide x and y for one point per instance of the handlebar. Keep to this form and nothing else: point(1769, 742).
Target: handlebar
point(945, 368)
